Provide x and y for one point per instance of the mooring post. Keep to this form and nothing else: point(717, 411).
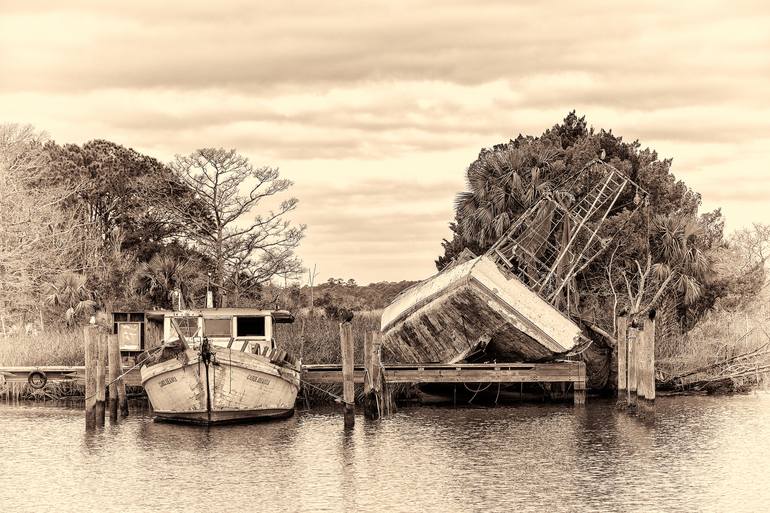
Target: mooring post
point(632, 339)
point(641, 354)
point(622, 356)
point(646, 376)
point(91, 338)
point(383, 397)
point(579, 385)
point(348, 397)
point(101, 374)
point(370, 401)
point(121, 384)
point(113, 363)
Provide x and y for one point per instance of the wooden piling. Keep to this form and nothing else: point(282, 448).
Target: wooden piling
point(382, 392)
point(579, 386)
point(622, 356)
point(370, 397)
point(348, 397)
point(101, 374)
point(113, 364)
point(91, 338)
point(121, 386)
point(646, 366)
point(632, 362)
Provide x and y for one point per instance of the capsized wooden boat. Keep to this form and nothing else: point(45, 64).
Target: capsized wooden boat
point(471, 307)
point(221, 365)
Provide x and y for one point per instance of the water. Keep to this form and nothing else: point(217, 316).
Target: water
point(700, 454)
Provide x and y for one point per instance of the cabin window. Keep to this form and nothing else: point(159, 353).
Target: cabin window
point(188, 326)
point(250, 326)
point(217, 327)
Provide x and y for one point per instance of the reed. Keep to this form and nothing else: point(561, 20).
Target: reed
point(321, 336)
point(55, 347)
point(729, 350)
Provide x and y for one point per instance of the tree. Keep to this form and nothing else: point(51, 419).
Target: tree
point(38, 241)
point(117, 190)
point(754, 244)
point(660, 254)
point(227, 187)
point(70, 293)
point(161, 276)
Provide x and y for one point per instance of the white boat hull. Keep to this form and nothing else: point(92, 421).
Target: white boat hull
point(474, 306)
point(232, 386)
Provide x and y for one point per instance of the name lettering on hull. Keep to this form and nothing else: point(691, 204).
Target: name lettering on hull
point(167, 381)
point(258, 379)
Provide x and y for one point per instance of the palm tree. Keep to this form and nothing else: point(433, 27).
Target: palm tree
point(503, 183)
point(70, 292)
point(161, 276)
point(676, 261)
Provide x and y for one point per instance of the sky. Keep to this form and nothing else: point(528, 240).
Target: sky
point(375, 109)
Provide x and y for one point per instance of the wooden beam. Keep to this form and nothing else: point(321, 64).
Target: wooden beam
point(382, 392)
point(90, 336)
point(646, 377)
point(622, 356)
point(113, 363)
point(348, 397)
point(632, 352)
point(101, 375)
point(565, 372)
point(370, 396)
point(579, 385)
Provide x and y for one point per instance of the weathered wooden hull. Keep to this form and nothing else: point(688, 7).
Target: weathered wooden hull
point(232, 386)
point(474, 306)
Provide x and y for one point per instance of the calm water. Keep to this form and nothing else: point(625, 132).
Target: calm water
point(700, 454)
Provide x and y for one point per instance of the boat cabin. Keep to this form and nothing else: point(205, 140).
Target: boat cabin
point(242, 329)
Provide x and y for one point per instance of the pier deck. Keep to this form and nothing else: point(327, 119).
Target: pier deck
point(320, 374)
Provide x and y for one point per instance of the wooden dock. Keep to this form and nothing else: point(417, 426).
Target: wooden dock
point(325, 374)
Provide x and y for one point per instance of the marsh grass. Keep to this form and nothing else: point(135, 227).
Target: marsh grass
point(59, 347)
point(719, 338)
point(321, 337)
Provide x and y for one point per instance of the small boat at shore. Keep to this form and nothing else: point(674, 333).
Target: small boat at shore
point(220, 365)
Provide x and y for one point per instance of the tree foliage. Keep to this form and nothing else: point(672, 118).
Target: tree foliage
point(103, 226)
point(246, 248)
point(663, 250)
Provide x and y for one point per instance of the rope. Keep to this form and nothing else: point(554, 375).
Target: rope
point(333, 396)
point(121, 376)
point(475, 393)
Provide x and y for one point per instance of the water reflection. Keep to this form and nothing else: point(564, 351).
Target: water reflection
point(694, 454)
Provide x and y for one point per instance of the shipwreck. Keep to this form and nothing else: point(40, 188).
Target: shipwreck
point(513, 303)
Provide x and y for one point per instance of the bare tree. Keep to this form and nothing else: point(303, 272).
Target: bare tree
point(37, 240)
point(311, 276)
point(244, 252)
point(753, 244)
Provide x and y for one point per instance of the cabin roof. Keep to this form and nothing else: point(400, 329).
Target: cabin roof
point(277, 315)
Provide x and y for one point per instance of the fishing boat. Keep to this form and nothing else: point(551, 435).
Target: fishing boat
point(219, 366)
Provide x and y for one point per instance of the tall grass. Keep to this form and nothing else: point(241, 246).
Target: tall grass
point(719, 337)
point(53, 347)
point(321, 336)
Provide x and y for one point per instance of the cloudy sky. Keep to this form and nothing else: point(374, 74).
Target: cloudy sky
point(375, 109)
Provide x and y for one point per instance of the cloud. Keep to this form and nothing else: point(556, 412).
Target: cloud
point(375, 109)
point(255, 47)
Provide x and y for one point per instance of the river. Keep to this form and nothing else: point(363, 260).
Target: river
point(699, 454)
